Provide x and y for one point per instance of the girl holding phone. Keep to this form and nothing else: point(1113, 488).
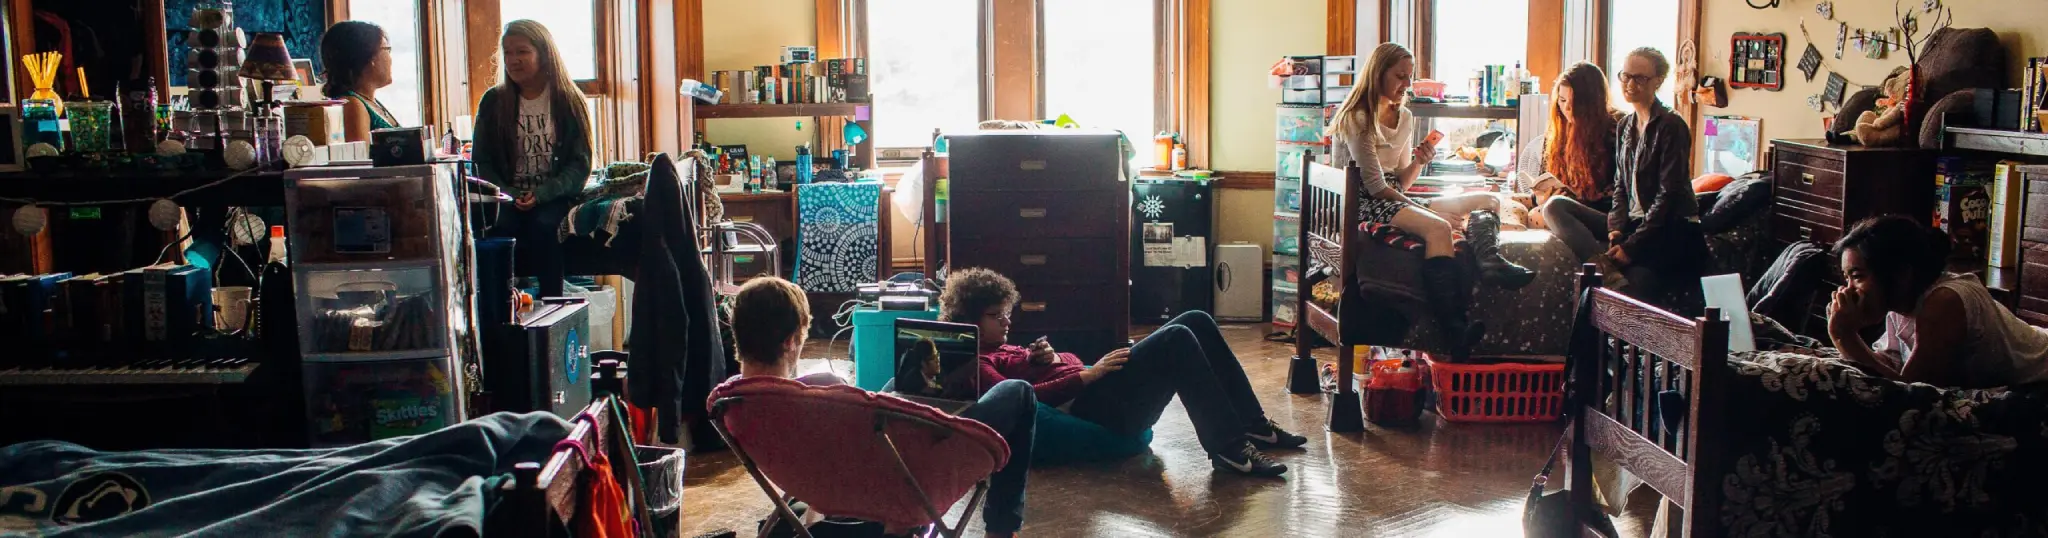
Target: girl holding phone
point(1371, 130)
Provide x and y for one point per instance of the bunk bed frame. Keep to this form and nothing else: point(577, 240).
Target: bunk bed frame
point(1329, 217)
point(544, 496)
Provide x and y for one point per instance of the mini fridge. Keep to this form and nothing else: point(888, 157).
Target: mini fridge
point(1171, 248)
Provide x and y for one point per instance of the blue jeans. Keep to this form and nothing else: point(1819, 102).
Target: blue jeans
point(1011, 409)
point(1188, 358)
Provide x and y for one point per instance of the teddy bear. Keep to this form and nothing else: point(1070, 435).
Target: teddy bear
point(1885, 124)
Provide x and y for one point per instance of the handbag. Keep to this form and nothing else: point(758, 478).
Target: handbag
point(1550, 515)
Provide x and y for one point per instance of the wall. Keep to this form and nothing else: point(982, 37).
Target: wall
point(1246, 37)
point(1784, 113)
point(743, 34)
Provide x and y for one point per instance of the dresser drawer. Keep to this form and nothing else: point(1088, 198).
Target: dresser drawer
point(1803, 175)
point(1041, 214)
point(1064, 261)
point(1790, 227)
point(1043, 307)
point(1013, 161)
point(2032, 300)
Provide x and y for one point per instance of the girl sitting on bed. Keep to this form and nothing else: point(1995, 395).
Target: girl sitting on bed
point(532, 142)
point(1941, 329)
point(1373, 130)
point(1579, 152)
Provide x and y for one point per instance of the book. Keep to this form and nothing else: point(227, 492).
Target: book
point(2007, 200)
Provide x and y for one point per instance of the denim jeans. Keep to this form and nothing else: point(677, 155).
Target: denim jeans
point(1011, 409)
point(1187, 357)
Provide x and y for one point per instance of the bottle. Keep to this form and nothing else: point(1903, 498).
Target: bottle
point(1162, 143)
point(1180, 156)
point(803, 165)
point(276, 320)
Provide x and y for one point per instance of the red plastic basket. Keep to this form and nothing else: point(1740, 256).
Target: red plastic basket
point(1505, 392)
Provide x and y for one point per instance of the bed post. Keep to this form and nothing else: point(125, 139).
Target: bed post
point(1583, 366)
point(1301, 371)
point(1347, 410)
point(1708, 420)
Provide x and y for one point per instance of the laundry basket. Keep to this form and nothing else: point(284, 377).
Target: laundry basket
point(1501, 392)
point(661, 468)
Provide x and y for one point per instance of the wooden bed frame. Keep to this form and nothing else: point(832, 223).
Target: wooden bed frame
point(1329, 214)
point(544, 496)
point(1635, 352)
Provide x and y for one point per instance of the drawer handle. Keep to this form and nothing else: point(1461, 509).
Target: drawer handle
point(1806, 179)
point(743, 218)
point(1806, 233)
point(1031, 259)
point(1038, 306)
point(1031, 213)
point(1034, 164)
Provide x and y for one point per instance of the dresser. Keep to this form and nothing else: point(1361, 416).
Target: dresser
point(1822, 189)
point(1050, 210)
point(2030, 298)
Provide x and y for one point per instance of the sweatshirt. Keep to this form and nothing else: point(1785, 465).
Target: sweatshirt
point(1055, 384)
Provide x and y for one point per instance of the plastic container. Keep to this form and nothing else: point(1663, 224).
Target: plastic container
point(1393, 392)
point(1505, 392)
point(357, 402)
point(874, 339)
point(604, 302)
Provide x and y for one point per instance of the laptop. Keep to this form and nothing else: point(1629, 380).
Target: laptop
point(927, 352)
point(1726, 293)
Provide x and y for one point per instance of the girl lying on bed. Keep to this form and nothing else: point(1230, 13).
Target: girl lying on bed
point(1941, 329)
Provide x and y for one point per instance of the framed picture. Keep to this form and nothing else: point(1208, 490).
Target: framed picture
point(1733, 145)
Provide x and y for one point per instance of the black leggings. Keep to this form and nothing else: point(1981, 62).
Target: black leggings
point(1186, 357)
point(539, 250)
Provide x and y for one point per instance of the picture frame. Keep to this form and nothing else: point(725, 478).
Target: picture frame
point(1733, 144)
point(12, 158)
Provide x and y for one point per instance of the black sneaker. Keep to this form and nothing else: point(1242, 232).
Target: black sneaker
point(1248, 461)
point(1271, 436)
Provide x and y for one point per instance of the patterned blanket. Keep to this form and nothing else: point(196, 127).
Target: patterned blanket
point(1822, 449)
point(837, 224)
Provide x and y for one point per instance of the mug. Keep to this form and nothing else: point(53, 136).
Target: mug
point(231, 305)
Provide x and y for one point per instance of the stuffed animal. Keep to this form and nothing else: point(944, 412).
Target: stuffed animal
point(1885, 124)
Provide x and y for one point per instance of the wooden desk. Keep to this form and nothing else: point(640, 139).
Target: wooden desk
point(774, 211)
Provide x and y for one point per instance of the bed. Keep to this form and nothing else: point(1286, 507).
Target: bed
point(1783, 444)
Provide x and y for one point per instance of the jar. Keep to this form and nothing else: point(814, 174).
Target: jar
point(91, 126)
point(39, 121)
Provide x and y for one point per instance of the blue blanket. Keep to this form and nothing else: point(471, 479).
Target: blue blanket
point(417, 486)
point(836, 231)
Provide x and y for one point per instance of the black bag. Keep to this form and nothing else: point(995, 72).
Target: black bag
point(1550, 515)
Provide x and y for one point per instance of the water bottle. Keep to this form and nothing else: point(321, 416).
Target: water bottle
point(803, 165)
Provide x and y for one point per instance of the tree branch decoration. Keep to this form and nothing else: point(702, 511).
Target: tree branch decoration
point(1914, 35)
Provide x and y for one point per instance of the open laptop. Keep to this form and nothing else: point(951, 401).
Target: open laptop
point(918, 343)
point(1726, 293)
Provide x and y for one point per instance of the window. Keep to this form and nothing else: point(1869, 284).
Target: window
point(1650, 23)
point(400, 21)
point(922, 67)
point(1100, 58)
point(1472, 34)
point(573, 24)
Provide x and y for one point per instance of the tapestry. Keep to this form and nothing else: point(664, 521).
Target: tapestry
point(836, 227)
point(302, 23)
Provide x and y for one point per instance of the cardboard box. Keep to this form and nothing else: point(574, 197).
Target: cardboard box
point(321, 123)
point(2008, 198)
point(1964, 211)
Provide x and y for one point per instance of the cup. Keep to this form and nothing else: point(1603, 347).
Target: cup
point(90, 126)
point(232, 308)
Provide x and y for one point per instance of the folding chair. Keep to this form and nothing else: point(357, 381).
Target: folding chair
point(853, 453)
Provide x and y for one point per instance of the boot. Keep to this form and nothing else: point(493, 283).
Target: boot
point(1443, 285)
point(1482, 234)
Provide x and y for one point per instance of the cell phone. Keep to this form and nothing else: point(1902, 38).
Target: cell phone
point(1433, 137)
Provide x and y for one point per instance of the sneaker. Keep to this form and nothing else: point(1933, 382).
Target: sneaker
point(1248, 461)
point(1271, 436)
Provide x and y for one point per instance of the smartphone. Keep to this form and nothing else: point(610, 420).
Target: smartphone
point(1433, 137)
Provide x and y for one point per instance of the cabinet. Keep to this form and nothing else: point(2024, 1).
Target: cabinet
point(1051, 210)
point(1821, 189)
point(382, 267)
point(2030, 301)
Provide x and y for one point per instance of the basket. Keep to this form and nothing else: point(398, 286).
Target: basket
point(1505, 392)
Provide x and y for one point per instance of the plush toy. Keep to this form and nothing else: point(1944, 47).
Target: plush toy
point(1885, 124)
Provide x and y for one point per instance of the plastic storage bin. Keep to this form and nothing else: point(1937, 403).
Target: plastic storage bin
point(1505, 392)
point(874, 336)
point(357, 402)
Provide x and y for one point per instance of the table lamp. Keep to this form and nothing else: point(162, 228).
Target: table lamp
point(266, 59)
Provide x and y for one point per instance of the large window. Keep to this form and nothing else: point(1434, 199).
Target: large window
point(1648, 23)
point(400, 21)
point(1472, 34)
point(573, 25)
point(1100, 57)
point(922, 68)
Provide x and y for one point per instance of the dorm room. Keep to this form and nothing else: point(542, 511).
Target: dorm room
point(945, 268)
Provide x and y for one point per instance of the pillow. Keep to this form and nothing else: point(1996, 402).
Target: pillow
point(1062, 438)
point(1738, 201)
point(1711, 183)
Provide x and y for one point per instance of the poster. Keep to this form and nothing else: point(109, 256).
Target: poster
point(1732, 143)
point(1158, 241)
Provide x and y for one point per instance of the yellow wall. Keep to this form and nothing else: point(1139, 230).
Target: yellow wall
point(1246, 37)
point(1784, 113)
point(741, 34)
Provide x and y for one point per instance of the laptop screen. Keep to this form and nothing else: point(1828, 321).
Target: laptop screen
point(930, 352)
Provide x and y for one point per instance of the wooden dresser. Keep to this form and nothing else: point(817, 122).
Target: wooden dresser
point(2030, 299)
point(1049, 209)
point(1822, 189)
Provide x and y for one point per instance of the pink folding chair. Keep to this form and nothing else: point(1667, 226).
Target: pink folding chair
point(853, 453)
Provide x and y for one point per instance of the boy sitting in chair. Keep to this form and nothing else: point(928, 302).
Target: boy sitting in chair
point(770, 318)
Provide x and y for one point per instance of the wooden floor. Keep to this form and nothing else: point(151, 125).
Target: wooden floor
point(1439, 479)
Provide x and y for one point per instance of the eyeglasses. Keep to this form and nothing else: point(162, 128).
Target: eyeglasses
point(1639, 80)
point(1000, 316)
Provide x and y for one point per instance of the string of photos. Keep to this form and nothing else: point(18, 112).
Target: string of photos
point(1907, 35)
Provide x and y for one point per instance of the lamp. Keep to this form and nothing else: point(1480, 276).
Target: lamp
point(267, 59)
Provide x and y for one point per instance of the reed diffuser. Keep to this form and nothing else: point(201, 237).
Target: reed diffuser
point(42, 71)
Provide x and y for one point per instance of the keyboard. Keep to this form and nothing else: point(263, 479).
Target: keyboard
point(145, 372)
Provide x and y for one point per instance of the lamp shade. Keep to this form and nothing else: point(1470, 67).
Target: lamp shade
point(267, 59)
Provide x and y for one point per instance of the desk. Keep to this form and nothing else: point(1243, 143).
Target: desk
point(774, 211)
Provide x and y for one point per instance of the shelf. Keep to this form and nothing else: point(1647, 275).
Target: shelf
point(1456, 110)
point(1997, 140)
point(753, 196)
point(858, 110)
point(255, 189)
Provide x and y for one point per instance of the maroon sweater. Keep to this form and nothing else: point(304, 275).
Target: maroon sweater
point(1055, 384)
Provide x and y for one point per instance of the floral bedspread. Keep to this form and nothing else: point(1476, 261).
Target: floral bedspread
point(1821, 449)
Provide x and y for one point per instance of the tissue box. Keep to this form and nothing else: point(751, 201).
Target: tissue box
point(400, 146)
point(320, 123)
